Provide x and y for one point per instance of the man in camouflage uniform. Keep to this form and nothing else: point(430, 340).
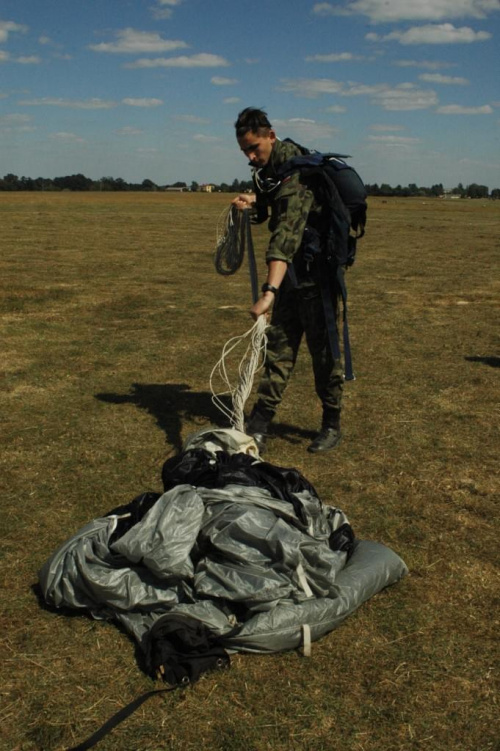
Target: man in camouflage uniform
point(295, 297)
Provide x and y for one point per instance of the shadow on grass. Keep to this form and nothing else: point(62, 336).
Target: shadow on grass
point(492, 361)
point(171, 403)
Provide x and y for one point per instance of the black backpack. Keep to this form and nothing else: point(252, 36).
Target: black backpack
point(340, 191)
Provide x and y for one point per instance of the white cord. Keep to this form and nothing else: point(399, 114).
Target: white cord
point(225, 222)
point(251, 362)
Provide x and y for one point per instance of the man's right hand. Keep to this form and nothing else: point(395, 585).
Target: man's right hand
point(244, 201)
point(262, 306)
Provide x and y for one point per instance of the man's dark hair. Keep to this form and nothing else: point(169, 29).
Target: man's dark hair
point(252, 120)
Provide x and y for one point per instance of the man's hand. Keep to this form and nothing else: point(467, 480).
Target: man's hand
point(262, 306)
point(244, 201)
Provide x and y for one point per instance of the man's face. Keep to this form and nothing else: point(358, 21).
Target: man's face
point(257, 147)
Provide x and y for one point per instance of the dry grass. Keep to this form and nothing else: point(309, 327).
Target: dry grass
point(112, 317)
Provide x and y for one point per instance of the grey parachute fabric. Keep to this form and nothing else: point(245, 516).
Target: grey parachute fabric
point(257, 571)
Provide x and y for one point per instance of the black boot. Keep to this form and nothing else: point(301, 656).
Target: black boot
point(257, 427)
point(329, 435)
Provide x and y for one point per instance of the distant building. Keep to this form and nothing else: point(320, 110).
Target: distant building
point(207, 188)
point(174, 189)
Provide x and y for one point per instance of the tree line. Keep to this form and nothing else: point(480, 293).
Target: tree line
point(79, 182)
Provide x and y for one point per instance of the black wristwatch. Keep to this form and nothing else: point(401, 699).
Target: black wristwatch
point(266, 287)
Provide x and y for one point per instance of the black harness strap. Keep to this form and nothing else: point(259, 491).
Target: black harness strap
point(246, 233)
point(117, 718)
point(329, 298)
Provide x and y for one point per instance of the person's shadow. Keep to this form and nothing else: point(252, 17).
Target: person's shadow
point(492, 361)
point(171, 403)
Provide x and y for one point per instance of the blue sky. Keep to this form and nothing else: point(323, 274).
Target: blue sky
point(151, 88)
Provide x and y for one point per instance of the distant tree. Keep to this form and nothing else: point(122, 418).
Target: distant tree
point(459, 190)
point(10, 182)
point(179, 185)
point(121, 184)
point(148, 185)
point(194, 187)
point(73, 182)
point(437, 190)
point(386, 190)
point(495, 193)
point(477, 191)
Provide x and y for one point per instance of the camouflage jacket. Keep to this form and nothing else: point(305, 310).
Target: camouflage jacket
point(291, 204)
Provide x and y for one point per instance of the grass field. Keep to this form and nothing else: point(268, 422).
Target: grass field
point(112, 317)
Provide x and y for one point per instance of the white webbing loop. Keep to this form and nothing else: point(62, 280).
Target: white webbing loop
point(251, 362)
point(303, 581)
point(306, 639)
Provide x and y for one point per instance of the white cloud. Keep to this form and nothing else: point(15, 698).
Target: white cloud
point(14, 119)
point(221, 81)
point(131, 41)
point(333, 57)
point(458, 109)
point(79, 104)
point(15, 123)
point(28, 60)
point(202, 60)
point(128, 130)
point(390, 11)
point(404, 96)
point(426, 64)
point(164, 8)
point(444, 33)
point(336, 109)
point(327, 9)
point(311, 87)
point(231, 100)
point(305, 129)
point(205, 139)
point(7, 27)
point(144, 102)
point(439, 78)
point(192, 119)
point(396, 140)
point(22, 60)
point(381, 127)
point(67, 137)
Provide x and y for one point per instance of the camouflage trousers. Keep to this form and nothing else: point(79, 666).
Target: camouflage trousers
point(299, 312)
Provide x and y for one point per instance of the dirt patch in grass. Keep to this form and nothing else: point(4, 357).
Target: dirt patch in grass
point(112, 317)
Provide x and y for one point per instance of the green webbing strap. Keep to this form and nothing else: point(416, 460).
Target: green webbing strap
point(117, 718)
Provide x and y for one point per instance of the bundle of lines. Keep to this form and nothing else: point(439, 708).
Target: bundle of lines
point(232, 237)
